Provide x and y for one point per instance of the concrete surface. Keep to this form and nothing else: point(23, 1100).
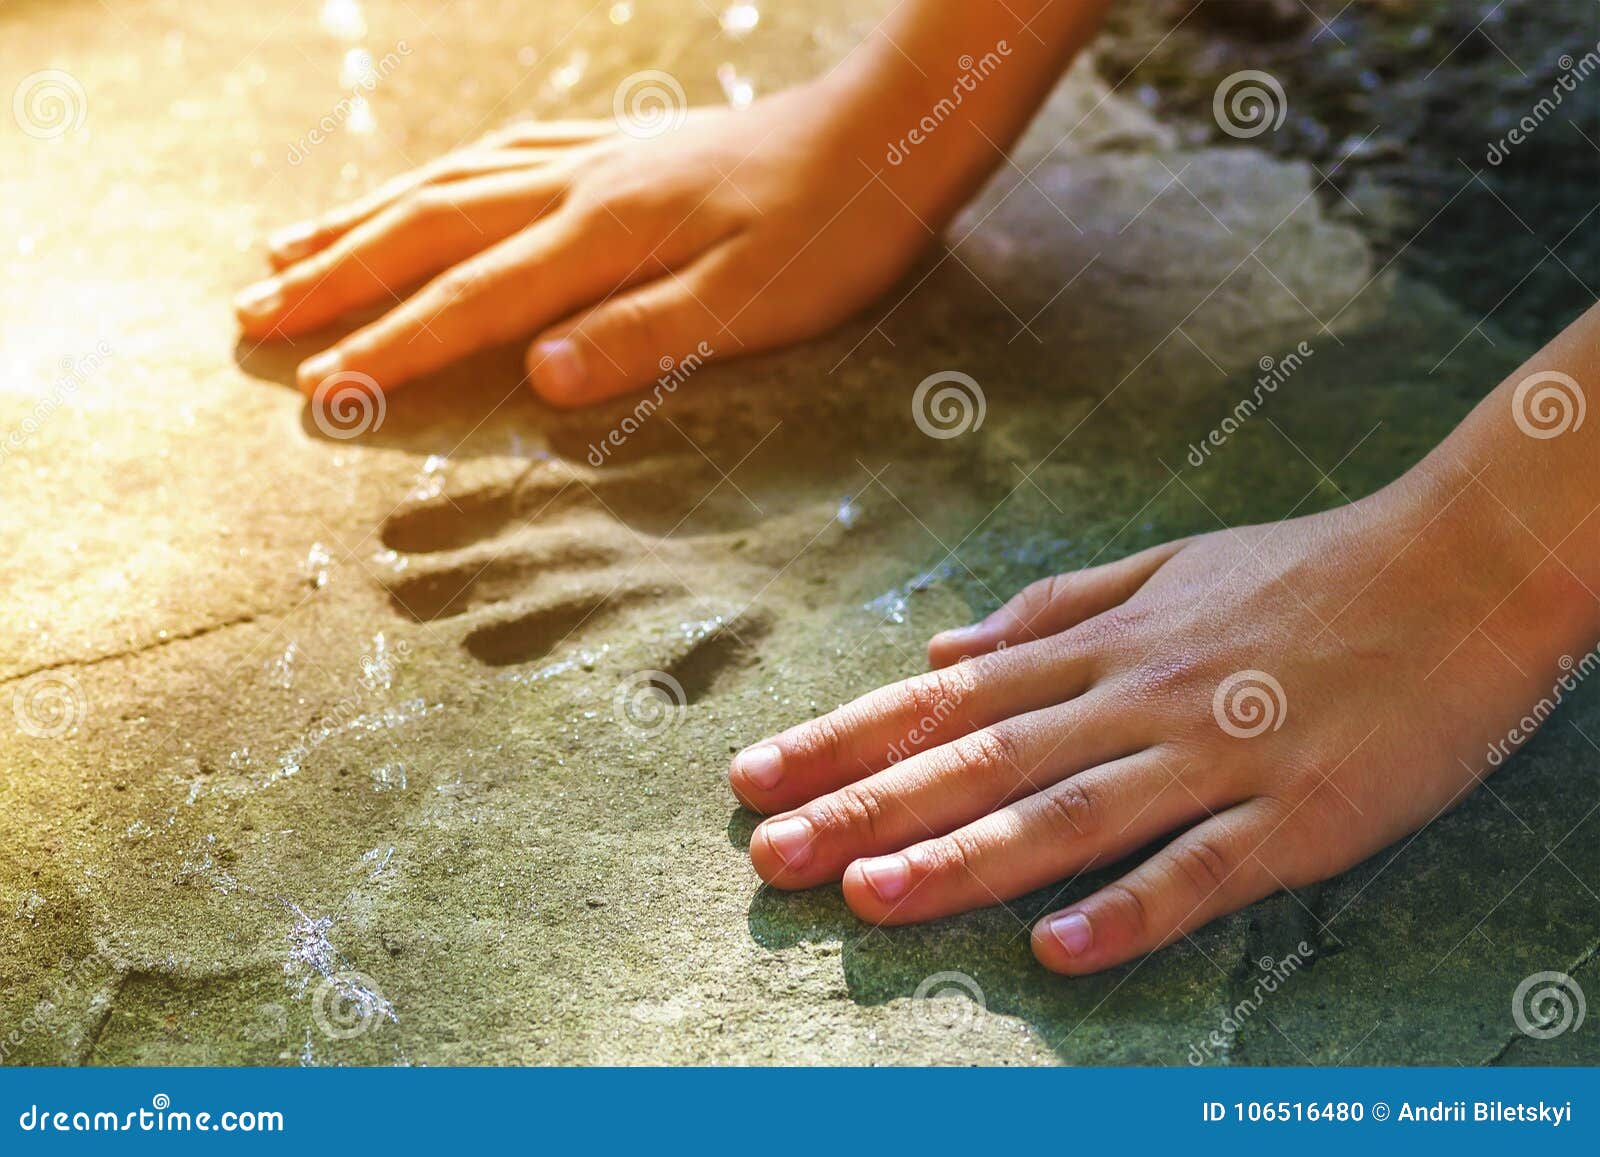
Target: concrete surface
point(341, 775)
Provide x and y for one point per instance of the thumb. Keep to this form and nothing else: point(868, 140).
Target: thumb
point(660, 332)
point(1053, 605)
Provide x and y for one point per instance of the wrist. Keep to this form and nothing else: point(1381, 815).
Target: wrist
point(938, 94)
point(1487, 549)
point(919, 131)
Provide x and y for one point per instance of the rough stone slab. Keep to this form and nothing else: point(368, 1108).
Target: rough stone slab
point(292, 762)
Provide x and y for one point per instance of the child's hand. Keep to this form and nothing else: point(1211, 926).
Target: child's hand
point(624, 249)
point(1281, 701)
point(741, 230)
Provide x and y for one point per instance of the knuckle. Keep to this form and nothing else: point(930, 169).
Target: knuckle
point(1174, 676)
point(937, 695)
point(1129, 910)
point(955, 855)
point(1204, 864)
point(628, 326)
point(987, 750)
point(1120, 621)
point(1044, 596)
point(450, 168)
point(857, 810)
point(599, 215)
point(463, 282)
point(628, 315)
point(1032, 600)
point(1310, 835)
point(1076, 811)
point(309, 275)
point(458, 291)
point(823, 740)
point(425, 204)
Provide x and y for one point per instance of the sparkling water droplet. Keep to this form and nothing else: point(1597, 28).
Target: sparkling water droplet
point(344, 19)
point(738, 19)
point(739, 90)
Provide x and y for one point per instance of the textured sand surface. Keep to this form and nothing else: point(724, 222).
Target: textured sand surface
point(344, 722)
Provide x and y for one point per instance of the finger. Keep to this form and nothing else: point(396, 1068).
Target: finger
point(432, 230)
point(298, 241)
point(1092, 818)
point(1052, 605)
point(660, 332)
point(938, 791)
point(553, 133)
point(510, 289)
point(891, 723)
point(1209, 871)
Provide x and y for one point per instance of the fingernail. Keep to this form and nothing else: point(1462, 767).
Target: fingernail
point(791, 839)
point(313, 370)
point(887, 877)
point(1072, 932)
point(292, 242)
point(260, 299)
point(762, 766)
point(558, 367)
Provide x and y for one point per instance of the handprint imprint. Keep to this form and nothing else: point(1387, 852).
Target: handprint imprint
point(549, 558)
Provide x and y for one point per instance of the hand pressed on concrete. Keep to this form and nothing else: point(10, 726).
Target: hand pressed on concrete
point(613, 248)
point(737, 232)
point(1279, 701)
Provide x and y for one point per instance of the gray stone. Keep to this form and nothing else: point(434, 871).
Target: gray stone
point(346, 773)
